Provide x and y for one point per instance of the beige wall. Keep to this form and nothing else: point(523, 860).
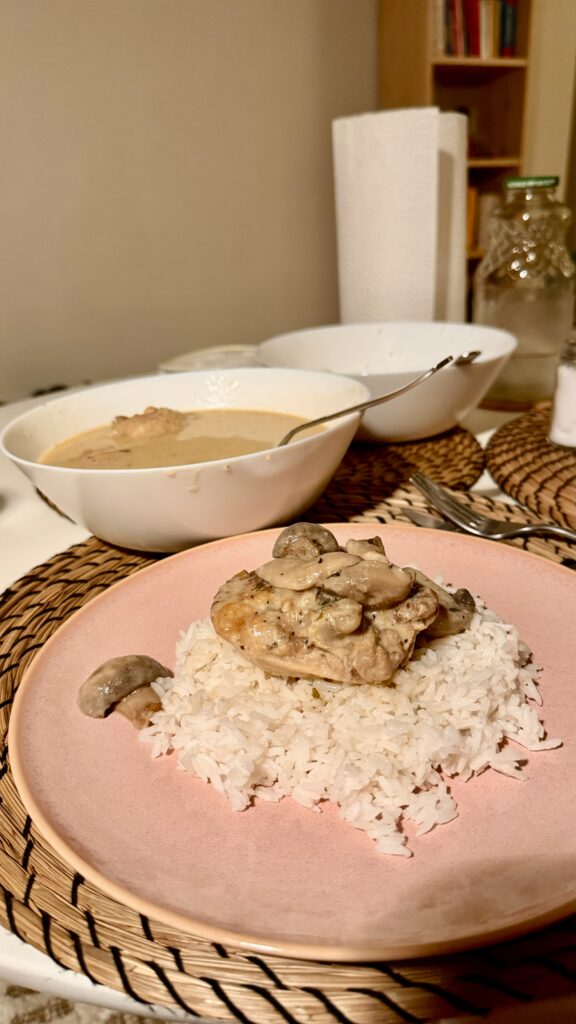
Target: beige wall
point(550, 91)
point(166, 176)
point(571, 179)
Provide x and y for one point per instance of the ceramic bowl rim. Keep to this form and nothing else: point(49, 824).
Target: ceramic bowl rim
point(29, 415)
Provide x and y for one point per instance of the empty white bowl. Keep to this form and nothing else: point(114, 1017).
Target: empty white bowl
point(171, 508)
point(384, 356)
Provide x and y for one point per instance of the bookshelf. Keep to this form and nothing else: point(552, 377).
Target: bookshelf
point(432, 55)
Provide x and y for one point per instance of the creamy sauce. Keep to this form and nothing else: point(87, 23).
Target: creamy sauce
point(164, 437)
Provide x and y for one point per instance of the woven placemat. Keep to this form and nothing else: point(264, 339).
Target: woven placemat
point(540, 475)
point(394, 510)
point(370, 473)
point(49, 905)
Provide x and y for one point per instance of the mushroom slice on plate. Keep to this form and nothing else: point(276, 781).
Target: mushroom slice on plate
point(139, 706)
point(115, 679)
point(455, 609)
point(304, 540)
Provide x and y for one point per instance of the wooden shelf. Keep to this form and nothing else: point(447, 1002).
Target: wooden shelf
point(490, 91)
point(480, 62)
point(493, 161)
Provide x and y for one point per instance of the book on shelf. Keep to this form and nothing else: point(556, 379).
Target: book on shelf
point(449, 29)
point(508, 20)
point(483, 27)
point(472, 27)
point(476, 28)
point(459, 32)
point(496, 23)
point(440, 27)
point(487, 22)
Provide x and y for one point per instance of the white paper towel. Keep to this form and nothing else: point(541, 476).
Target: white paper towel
point(400, 192)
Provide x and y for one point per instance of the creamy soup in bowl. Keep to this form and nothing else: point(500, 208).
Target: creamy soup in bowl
point(171, 505)
point(169, 437)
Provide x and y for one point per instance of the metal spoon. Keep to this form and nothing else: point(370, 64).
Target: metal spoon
point(467, 357)
point(464, 359)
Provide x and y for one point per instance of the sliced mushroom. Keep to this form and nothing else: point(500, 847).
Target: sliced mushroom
point(368, 549)
point(115, 679)
point(304, 540)
point(455, 610)
point(374, 583)
point(454, 617)
point(293, 573)
point(400, 625)
point(139, 706)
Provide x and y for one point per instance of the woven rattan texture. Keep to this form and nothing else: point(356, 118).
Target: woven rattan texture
point(393, 509)
point(370, 473)
point(540, 475)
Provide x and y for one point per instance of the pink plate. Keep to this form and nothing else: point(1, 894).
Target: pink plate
point(279, 878)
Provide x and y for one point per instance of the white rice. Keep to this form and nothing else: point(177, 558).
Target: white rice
point(383, 754)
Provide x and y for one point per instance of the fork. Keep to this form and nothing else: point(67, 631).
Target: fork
point(479, 525)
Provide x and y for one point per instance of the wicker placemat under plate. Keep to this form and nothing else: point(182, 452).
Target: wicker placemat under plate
point(53, 908)
point(371, 473)
point(394, 509)
point(540, 475)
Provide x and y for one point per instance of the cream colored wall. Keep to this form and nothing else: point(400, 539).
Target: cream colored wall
point(166, 176)
point(571, 180)
point(550, 91)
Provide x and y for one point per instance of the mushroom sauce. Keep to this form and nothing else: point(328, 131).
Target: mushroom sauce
point(166, 437)
point(315, 611)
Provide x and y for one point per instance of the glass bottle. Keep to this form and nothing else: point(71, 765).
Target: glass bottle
point(525, 284)
point(563, 418)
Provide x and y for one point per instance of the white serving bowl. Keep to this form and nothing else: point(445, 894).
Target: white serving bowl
point(168, 509)
point(385, 356)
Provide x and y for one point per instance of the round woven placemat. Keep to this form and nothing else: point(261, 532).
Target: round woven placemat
point(50, 906)
point(540, 475)
point(369, 474)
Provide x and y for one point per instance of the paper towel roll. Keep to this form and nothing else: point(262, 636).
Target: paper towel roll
point(451, 275)
point(400, 192)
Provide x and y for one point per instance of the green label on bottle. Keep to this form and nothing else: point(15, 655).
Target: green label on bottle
point(551, 181)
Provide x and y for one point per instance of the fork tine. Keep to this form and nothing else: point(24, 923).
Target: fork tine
point(479, 525)
point(452, 504)
point(436, 493)
point(444, 501)
point(427, 487)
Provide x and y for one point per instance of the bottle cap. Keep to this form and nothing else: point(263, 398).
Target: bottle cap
point(551, 181)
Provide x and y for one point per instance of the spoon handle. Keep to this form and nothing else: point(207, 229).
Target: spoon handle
point(367, 404)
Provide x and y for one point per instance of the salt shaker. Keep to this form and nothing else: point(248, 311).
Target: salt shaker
point(563, 419)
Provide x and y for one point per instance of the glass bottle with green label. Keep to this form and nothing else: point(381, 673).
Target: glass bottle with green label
point(525, 284)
